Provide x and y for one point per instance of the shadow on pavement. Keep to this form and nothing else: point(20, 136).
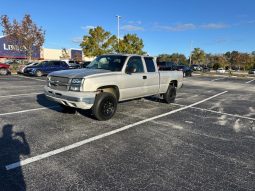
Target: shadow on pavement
point(43, 101)
point(12, 146)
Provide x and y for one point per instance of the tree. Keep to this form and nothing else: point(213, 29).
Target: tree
point(175, 58)
point(219, 61)
point(178, 58)
point(26, 36)
point(65, 54)
point(198, 56)
point(130, 44)
point(164, 58)
point(98, 42)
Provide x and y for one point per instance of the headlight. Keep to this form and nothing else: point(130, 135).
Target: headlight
point(74, 88)
point(75, 84)
point(76, 81)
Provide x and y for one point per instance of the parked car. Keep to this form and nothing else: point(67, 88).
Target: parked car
point(187, 71)
point(22, 67)
point(166, 66)
point(72, 64)
point(206, 69)
point(196, 67)
point(220, 70)
point(4, 69)
point(46, 67)
point(109, 79)
point(252, 71)
point(84, 64)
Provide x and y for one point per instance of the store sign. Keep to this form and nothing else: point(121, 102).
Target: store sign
point(76, 54)
point(8, 50)
point(11, 47)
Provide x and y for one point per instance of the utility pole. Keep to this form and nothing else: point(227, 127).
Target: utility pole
point(118, 29)
point(190, 53)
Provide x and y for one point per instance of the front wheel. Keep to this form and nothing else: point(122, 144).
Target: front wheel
point(105, 106)
point(169, 96)
point(3, 71)
point(38, 73)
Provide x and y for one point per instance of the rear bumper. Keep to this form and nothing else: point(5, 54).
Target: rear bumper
point(82, 100)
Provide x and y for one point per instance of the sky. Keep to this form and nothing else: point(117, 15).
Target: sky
point(166, 26)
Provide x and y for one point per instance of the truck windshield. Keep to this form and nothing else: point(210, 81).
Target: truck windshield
point(108, 62)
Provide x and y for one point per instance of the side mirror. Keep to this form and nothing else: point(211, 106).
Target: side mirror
point(130, 69)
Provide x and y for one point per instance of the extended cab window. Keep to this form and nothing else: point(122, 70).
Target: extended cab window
point(108, 62)
point(149, 64)
point(136, 63)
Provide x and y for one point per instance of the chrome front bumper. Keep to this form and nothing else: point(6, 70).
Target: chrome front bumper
point(82, 100)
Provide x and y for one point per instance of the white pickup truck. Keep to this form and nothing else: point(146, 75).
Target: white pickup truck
point(110, 79)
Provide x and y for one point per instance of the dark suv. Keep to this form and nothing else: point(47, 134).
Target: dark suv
point(187, 71)
point(46, 67)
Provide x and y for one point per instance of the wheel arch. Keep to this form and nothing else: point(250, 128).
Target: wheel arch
point(174, 83)
point(113, 89)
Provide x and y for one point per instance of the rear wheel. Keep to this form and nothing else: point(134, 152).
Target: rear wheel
point(38, 73)
point(105, 106)
point(3, 71)
point(170, 94)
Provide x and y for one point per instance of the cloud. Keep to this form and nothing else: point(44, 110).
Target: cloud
point(251, 22)
point(87, 27)
point(214, 26)
point(77, 40)
point(131, 28)
point(135, 22)
point(221, 41)
point(191, 26)
point(178, 27)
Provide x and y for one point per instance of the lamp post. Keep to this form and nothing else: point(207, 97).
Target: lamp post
point(190, 53)
point(118, 29)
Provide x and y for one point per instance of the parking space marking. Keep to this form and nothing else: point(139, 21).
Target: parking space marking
point(217, 112)
point(26, 86)
point(83, 142)
point(30, 78)
point(217, 79)
point(18, 95)
point(249, 81)
point(28, 110)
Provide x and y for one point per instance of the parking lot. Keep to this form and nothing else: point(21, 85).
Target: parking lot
point(205, 141)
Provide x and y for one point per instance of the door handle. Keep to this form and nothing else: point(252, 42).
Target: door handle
point(144, 77)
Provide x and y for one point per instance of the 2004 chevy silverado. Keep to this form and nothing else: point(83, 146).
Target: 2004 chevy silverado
point(109, 79)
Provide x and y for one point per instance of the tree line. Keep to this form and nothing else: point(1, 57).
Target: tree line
point(27, 36)
point(99, 42)
point(230, 60)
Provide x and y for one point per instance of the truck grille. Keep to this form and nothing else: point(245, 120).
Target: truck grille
point(59, 83)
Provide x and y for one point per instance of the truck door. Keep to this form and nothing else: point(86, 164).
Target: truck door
point(132, 85)
point(151, 86)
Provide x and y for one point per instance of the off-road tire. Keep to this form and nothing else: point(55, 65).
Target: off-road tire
point(169, 96)
point(105, 106)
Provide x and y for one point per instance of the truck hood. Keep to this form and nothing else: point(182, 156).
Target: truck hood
point(78, 73)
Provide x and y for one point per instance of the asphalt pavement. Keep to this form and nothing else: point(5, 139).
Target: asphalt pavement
point(204, 141)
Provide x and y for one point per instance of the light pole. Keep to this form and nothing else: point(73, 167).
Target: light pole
point(118, 29)
point(190, 53)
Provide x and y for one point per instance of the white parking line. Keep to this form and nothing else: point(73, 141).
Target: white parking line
point(30, 78)
point(78, 144)
point(17, 86)
point(249, 81)
point(218, 112)
point(18, 95)
point(28, 110)
point(217, 79)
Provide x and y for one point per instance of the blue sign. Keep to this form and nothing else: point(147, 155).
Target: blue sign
point(8, 50)
point(76, 54)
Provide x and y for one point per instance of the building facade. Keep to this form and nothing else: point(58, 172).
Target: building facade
point(10, 51)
